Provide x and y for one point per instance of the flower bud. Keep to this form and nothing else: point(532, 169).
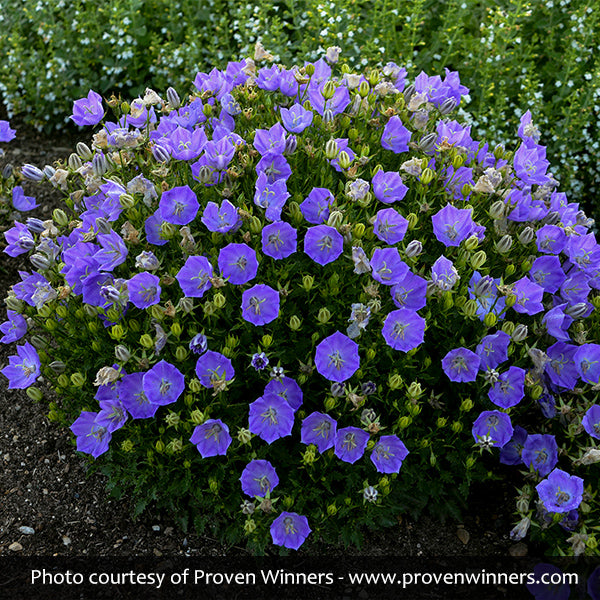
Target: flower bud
point(59, 217)
point(577, 311)
point(490, 319)
point(552, 218)
point(415, 391)
point(294, 323)
point(35, 393)
point(244, 436)
point(414, 248)
point(458, 161)
point(74, 162)
point(472, 242)
point(466, 189)
point(412, 219)
point(249, 526)
point(344, 160)
point(40, 262)
point(219, 300)
point(324, 315)
point(117, 332)
point(181, 353)
point(63, 380)
point(426, 143)
point(122, 354)
point(520, 333)
point(441, 422)
point(328, 90)
point(511, 300)
point(470, 462)
point(13, 303)
point(408, 93)
point(504, 244)
point(526, 236)
point(536, 392)
point(330, 403)
point(427, 176)
point(331, 149)
point(58, 366)
point(363, 89)
point(291, 144)
point(99, 164)
point(173, 98)
point(470, 308)
point(332, 510)
point(499, 151)
point(404, 422)
point(77, 379)
point(84, 151)
point(457, 426)
point(371, 354)
point(146, 341)
point(327, 116)
point(335, 219)
point(359, 230)
point(32, 173)
point(447, 106)
point(395, 381)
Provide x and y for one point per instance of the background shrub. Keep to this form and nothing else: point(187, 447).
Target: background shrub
point(512, 54)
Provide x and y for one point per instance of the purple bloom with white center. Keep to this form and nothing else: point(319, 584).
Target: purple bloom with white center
point(13, 329)
point(211, 438)
point(444, 273)
point(557, 323)
point(410, 292)
point(88, 111)
point(271, 418)
point(153, 229)
point(237, 263)
point(509, 390)
point(350, 444)
point(336, 357)
point(271, 196)
point(319, 429)
point(290, 530)
point(179, 205)
point(390, 226)
point(23, 368)
point(387, 266)
point(259, 478)
point(551, 239)
point(260, 304)
point(403, 329)
point(21, 202)
point(587, 362)
point(274, 166)
point(296, 118)
point(540, 451)
point(114, 251)
point(395, 136)
point(259, 361)
point(584, 251)
point(194, 277)
point(279, 240)
point(547, 272)
point(6, 132)
point(315, 208)
point(493, 350)
point(219, 154)
point(530, 163)
point(492, 427)
point(185, 144)
point(484, 290)
point(527, 130)
point(112, 414)
point(561, 367)
point(288, 389)
point(19, 240)
point(212, 368)
point(199, 344)
point(461, 365)
point(91, 438)
point(510, 453)
point(323, 243)
point(388, 454)
point(222, 219)
point(144, 290)
point(388, 187)
point(452, 225)
point(133, 397)
point(560, 492)
point(163, 383)
point(575, 289)
point(529, 297)
point(270, 140)
point(591, 421)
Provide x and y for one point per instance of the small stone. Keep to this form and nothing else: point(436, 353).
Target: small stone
point(157, 552)
point(463, 535)
point(168, 530)
point(518, 550)
point(155, 527)
point(27, 530)
point(15, 547)
point(66, 540)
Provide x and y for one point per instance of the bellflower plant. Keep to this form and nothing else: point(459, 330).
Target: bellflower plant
point(312, 301)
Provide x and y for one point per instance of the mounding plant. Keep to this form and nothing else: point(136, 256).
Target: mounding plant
point(303, 301)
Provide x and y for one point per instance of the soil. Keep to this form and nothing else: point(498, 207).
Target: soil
point(50, 506)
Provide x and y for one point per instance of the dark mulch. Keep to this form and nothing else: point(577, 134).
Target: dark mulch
point(44, 485)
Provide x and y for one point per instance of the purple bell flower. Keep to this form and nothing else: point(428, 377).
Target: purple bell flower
point(290, 530)
point(388, 454)
point(271, 418)
point(336, 357)
point(560, 492)
point(259, 478)
point(212, 438)
point(350, 444)
point(461, 365)
point(319, 429)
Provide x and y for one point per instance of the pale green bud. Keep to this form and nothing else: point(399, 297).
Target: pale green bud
point(395, 381)
point(219, 300)
point(478, 259)
point(344, 160)
point(295, 323)
point(331, 149)
point(197, 417)
point(324, 315)
point(427, 176)
point(244, 436)
point(472, 242)
point(78, 379)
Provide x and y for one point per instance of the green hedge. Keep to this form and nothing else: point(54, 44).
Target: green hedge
point(513, 55)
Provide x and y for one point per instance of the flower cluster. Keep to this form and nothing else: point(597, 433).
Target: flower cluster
point(297, 287)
